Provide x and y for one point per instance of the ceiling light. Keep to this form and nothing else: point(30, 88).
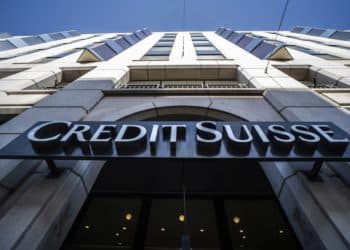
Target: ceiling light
point(87, 227)
point(162, 229)
point(181, 218)
point(128, 216)
point(241, 231)
point(201, 230)
point(236, 219)
point(117, 234)
point(124, 228)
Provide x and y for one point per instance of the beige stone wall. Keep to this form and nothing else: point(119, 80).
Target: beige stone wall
point(37, 212)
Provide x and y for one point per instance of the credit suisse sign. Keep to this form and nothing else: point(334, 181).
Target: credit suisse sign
point(263, 141)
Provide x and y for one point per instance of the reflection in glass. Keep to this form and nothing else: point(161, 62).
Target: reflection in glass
point(166, 213)
point(261, 225)
point(107, 223)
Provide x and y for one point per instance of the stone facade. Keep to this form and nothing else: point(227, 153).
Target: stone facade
point(36, 212)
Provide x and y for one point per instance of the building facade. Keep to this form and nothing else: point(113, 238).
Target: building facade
point(302, 75)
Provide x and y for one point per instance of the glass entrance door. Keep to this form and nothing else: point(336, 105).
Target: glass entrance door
point(141, 205)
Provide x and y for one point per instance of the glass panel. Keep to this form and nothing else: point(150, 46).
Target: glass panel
point(6, 45)
point(104, 51)
point(155, 58)
point(32, 40)
point(297, 29)
point(210, 57)
point(258, 224)
point(122, 42)
point(161, 48)
point(158, 52)
point(56, 36)
point(167, 225)
point(165, 39)
point(244, 41)
point(107, 223)
point(226, 33)
point(74, 33)
point(164, 44)
point(263, 50)
point(205, 48)
point(201, 43)
point(199, 39)
point(208, 52)
point(316, 32)
point(341, 35)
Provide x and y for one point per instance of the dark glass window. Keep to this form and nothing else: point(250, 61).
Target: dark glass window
point(32, 40)
point(104, 51)
point(226, 33)
point(263, 50)
point(341, 35)
point(220, 30)
point(138, 204)
point(164, 44)
point(297, 30)
point(56, 36)
point(147, 32)
point(130, 39)
point(140, 34)
point(135, 37)
point(316, 32)
point(114, 227)
point(166, 224)
point(6, 45)
point(244, 41)
point(252, 229)
point(199, 39)
point(74, 33)
point(208, 52)
point(167, 39)
point(158, 52)
point(201, 43)
point(122, 42)
point(114, 45)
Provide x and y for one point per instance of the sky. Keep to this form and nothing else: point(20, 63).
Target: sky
point(30, 17)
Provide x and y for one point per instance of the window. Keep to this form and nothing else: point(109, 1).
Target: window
point(341, 35)
point(251, 230)
point(57, 36)
point(316, 32)
point(165, 226)
point(32, 40)
point(138, 204)
point(309, 77)
point(104, 51)
point(6, 45)
point(263, 49)
point(297, 30)
point(204, 48)
point(162, 49)
point(244, 41)
point(259, 46)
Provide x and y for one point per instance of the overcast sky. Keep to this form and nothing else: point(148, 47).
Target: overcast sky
point(41, 16)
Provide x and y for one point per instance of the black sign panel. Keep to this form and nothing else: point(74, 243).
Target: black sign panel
point(263, 141)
